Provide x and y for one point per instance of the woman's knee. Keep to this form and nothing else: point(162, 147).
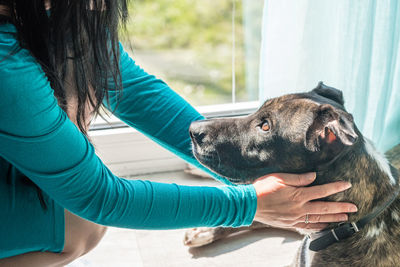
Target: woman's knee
point(81, 236)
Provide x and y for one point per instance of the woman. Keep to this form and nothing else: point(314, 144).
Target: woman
point(60, 62)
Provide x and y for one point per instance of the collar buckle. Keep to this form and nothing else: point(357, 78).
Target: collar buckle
point(344, 230)
point(355, 227)
point(341, 232)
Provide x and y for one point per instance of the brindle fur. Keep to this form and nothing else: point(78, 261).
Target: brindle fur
point(393, 155)
point(237, 149)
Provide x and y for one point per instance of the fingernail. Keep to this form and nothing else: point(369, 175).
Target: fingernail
point(311, 176)
point(346, 185)
point(353, 209)
point(344, 217)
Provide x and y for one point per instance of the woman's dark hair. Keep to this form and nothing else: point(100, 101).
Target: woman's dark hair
point(78, 38)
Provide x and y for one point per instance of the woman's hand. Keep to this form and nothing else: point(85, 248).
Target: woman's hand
point(283, 202)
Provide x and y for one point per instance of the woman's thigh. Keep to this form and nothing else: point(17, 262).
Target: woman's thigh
point(25, 226)
point(81, 235)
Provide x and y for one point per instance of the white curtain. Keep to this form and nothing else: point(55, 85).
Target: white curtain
point(352, 45)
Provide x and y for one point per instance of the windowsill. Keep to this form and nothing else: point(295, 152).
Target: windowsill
point(128, 152)
point(212, 111)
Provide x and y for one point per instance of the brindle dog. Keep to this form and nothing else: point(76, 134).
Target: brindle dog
point(306, 132)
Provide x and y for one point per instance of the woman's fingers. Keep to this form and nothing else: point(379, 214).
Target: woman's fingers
point(321, 191)
point(315, 220)
point(296, 179)
point(327, 218)
point(321, 207)
point(283, 202)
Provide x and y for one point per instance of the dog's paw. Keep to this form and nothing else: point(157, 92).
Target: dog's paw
point(198, 237)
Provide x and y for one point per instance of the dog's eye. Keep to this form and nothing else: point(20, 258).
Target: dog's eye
point(265, 126)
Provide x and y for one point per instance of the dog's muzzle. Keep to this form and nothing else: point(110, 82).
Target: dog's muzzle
point(198, 131)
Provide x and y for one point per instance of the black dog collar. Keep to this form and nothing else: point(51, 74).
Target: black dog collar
point(345, 230)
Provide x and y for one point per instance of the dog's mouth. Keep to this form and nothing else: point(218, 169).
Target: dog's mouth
point(213, 162)
point(229, 167)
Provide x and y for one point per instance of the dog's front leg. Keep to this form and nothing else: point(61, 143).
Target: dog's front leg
point(197, 237)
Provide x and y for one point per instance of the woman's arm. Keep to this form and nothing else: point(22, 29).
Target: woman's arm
point(37, 137)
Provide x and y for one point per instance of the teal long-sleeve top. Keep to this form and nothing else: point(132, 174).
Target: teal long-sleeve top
point(37, 137)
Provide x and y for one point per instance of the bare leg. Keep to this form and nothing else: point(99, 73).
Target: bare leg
point(81, 236)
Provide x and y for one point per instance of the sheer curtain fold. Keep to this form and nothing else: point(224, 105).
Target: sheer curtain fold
point(351, 45)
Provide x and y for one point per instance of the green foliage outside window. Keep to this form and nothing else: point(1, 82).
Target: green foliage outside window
point(188, 43)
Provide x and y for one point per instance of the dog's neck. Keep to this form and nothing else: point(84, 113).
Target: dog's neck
point(369, 173)
point(374, 184)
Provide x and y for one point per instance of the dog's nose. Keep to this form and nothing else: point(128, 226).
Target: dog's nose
point(196, 131)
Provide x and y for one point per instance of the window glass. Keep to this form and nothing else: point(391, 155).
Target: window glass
point(207, 51)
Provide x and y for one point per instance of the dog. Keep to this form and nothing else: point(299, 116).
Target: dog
point(305, 132)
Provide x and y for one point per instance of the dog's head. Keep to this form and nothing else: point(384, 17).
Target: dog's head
point(292, 133)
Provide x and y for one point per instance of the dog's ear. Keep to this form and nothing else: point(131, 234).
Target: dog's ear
point(329, 92)
point(332, 129)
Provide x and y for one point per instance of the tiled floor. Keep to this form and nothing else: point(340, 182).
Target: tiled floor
point(123, 247)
